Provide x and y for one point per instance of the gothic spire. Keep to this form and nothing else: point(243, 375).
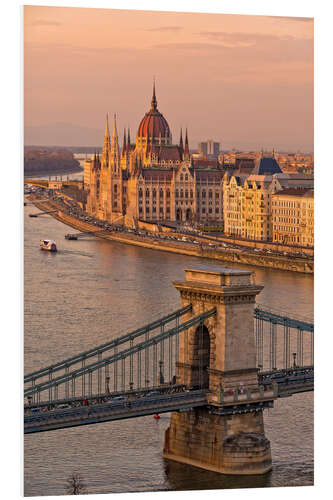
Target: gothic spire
point(186, 149)
point(115, 146)
point(181, 140)
point(106, 145)
point(154, 101)
point(128, 139)
point(107, 132)
point(124, 142)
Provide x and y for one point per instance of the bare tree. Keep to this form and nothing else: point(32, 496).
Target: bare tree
point(75, 485)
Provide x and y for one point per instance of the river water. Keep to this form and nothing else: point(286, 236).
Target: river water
point(91, 291)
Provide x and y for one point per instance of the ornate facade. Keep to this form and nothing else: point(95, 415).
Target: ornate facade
point(248, 201)
point(293, 217)
point(153, 179)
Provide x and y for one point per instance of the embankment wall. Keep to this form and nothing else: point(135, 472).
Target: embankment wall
point(225, 255)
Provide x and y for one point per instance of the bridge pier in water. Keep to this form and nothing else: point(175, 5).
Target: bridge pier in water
point(220, 355)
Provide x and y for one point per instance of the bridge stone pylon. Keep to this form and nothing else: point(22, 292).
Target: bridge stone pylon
point(220, 356)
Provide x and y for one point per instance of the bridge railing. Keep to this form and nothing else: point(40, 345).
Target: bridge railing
point(282, 341)
point(114, 343)
point(270, 315)
point(147, 357)
point(127, 376)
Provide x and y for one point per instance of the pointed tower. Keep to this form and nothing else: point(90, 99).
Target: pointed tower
point(128, 140)
point(181, 145)
point(114, 149)
point(115, 198)
point(124, 143)
point(106, 145)
point(186, 149)
point(154, 101)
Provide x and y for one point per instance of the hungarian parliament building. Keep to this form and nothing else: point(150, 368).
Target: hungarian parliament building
point(155, 180)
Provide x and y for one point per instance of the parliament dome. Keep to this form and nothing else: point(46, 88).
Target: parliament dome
point(154, 128)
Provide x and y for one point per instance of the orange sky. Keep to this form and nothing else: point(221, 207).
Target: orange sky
point(246, 81)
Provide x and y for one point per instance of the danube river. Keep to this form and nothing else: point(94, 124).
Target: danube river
point(91, 291)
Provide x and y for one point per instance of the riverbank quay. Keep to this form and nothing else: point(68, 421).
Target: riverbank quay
point(31, 176)
point(302, 265)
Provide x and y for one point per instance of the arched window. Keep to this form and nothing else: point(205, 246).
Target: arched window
point(186, 193)
point(181, 193)
point(161, 193)
point(203, 194)
point(181, 177)
point(154, 193)
point(140, 193)
point(210, 194)
point(186, 177)
point(176, 193)
point(147, 193)
point(191, 193)
point(115, 188)
point(168, 193)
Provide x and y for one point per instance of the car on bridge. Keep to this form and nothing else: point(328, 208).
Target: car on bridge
point(118, 398)
point(64, 406)
point(152, 394)
point(36, 410)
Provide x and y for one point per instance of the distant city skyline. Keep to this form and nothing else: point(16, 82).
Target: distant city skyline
point(244, 81)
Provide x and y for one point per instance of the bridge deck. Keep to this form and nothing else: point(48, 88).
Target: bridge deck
point(273, 386)
point(114, 410)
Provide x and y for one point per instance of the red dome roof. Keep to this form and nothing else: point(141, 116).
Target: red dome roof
point(153, 123)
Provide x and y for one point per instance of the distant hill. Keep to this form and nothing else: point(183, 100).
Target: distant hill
point(62, 134)
point(46, 160)
point(73, 149)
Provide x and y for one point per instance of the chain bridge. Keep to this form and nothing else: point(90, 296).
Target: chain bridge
point(220, 356)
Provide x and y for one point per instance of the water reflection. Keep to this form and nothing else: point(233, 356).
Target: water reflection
point(186, 477)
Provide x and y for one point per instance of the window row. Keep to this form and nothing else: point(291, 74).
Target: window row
point(161, 211)
point(154, 193)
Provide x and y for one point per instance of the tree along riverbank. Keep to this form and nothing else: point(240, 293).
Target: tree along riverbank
point(47, 161)
point(226, 255)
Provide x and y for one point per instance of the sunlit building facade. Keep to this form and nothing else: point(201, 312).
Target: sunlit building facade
point(248, 200)
point(293, 217)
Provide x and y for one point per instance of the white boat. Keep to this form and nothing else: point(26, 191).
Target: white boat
point(49, 245)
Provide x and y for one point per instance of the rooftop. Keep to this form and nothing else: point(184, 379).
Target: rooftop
point(302, 192)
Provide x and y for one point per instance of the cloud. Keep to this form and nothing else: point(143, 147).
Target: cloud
point(45, 22)
point(230, 39)
point(70, 49)
point(291, 19)
point(188, 46)
point(242, 39)
point(166, 29)
point(244, 49)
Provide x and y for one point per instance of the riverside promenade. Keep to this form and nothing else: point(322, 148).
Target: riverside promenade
point(302, 265)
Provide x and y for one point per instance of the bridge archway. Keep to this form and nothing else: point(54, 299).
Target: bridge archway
point(202, 356)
